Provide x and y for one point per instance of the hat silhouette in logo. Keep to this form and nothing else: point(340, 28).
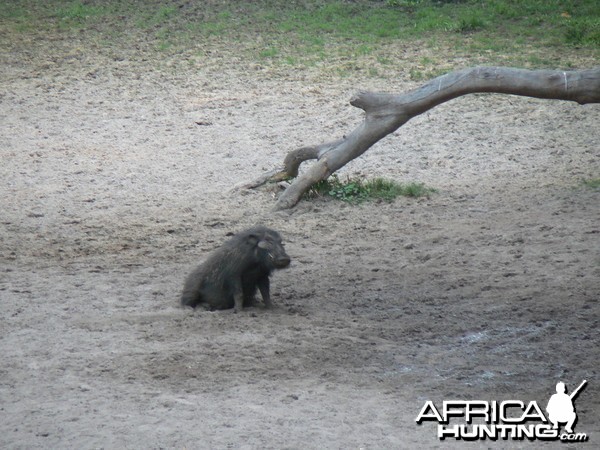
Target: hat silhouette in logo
point(560, 407)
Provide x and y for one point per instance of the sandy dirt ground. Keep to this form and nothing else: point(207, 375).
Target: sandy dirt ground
point(116, 180)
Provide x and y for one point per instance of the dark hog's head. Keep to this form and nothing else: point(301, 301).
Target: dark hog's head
point(269, 248)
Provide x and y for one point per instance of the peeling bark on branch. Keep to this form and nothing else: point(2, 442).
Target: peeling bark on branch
point(385, 113)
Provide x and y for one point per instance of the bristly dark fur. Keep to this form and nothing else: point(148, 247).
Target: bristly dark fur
point(231, 274)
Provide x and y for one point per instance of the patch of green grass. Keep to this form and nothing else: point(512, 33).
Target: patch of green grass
point(16, 15)
point(470, 22)
point(13, 11)
point(593, 183)
point(156, 17)
point(332, 33)
point(380, 188)
point(208, 28)
point(583, 31)
point(358, 190)
point(269, 52)
point(77, 13)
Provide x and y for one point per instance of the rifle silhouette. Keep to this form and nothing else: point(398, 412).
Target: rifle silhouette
point(576, 391)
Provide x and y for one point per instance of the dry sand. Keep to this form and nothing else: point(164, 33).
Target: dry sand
point(112, 192)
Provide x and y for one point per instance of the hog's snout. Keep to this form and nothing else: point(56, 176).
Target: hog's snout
point(281, 261)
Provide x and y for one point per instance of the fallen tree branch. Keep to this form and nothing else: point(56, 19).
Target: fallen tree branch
point(385, 113)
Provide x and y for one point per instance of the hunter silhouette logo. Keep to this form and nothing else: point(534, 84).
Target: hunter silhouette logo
point(509, 419)
point(560, 407)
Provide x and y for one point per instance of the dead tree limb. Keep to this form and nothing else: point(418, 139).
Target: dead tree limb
point(385, 113)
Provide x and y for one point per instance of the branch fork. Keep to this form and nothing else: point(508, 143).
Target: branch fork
point(385, 113)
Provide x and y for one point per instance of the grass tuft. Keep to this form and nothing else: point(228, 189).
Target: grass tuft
point(358, 190)
point(77, 14)
point(593, 183)
point(358, 37)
